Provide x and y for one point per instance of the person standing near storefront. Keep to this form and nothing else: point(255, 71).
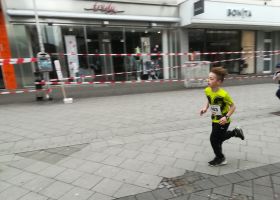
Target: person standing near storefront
point(277, 76)
point(222, 107)
point(95, 62)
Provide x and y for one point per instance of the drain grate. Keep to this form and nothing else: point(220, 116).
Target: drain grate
point(52, 155)
point(276, 113)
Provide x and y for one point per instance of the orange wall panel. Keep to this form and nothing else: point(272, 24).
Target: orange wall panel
point(5, 52)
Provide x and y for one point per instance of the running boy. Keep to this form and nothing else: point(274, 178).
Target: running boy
point(277, 76)
point(222, 107)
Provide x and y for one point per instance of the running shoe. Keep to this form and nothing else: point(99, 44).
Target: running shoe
point(239, 133)
point(218, 162)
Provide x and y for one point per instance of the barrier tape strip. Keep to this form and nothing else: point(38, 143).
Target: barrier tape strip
point(124, 82)
point(28, 60)
point(157, 69)
point(22, 91)
point(17, 60)
point(164, 54)
point(149, 81)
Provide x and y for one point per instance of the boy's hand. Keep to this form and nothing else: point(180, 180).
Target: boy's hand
point(223, 121)
point(202, 111)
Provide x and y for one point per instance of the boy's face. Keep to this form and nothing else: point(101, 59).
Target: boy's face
point(213, 80)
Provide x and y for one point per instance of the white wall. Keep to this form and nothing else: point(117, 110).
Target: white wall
point(157, 10)
point(255, 2)
point(216, 13)
point(166, 2)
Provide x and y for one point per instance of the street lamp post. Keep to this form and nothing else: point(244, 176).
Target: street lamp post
point(42, 57)
point(41, 44)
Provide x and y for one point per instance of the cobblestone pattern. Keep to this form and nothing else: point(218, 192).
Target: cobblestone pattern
point(135, 144)
point(261, 183)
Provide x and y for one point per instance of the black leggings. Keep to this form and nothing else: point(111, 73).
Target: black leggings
point(218, 135)
point(278, 93)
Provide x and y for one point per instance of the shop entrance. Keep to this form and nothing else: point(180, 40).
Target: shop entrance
point(106, 42)
point(117, 46)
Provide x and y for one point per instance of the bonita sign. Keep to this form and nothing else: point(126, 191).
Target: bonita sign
point(239, 13)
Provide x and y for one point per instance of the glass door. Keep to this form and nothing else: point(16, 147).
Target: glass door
point(105, 41)
point(106, 48)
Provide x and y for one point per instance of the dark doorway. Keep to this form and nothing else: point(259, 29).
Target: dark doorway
point(2, 85)
point(117, 42)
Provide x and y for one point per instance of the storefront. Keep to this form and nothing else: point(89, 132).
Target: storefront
point(81, 28)
point(73, 30)
point(211, 26)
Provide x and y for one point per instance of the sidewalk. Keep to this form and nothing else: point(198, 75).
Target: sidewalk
point(86, 91)
point(261, 183)
point(140, 146)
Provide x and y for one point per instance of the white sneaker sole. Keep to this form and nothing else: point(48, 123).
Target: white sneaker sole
point(221, 164)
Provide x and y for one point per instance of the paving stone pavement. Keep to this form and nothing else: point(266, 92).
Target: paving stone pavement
point(142, 146)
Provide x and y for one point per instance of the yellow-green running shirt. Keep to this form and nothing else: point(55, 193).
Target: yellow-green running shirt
point(219, 103)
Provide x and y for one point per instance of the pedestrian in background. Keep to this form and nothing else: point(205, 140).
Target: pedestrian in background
point(222, 107)
point(277, 76)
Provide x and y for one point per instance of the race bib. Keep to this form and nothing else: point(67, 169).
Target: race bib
point(216, 110)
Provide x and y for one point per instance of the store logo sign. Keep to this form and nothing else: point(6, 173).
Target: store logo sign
point(198, 7)
point(104, 8)
point(239, 13)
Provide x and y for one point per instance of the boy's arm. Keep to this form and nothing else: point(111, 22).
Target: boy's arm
point(276, 75)
point(224, 119)
point(204, 109)
point(231, 110)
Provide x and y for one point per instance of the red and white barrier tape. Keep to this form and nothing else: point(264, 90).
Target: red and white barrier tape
point(22, 91)
point(28, 60)
point(148, 81)
point(158, 69)
point(124, 82)
point(17, 60)
point(164, 54)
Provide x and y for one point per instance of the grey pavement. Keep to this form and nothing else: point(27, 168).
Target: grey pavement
point(101, 90)
point(141, 146)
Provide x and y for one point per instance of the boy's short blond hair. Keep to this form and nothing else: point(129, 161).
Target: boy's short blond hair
point(220, 72)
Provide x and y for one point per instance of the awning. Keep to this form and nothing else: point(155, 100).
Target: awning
point(52, 14)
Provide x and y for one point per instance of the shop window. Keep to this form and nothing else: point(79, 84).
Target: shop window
point(267, 48)
point(224, 41)
point(75, 43)
point(216, 41)
point(267, 35)
point(49, 42)
point(145, 41)
point(197, 40)
point(74, 40)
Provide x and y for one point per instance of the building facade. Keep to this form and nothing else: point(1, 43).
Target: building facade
point(73, 30)
point(232, 26)
point(92, 27)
